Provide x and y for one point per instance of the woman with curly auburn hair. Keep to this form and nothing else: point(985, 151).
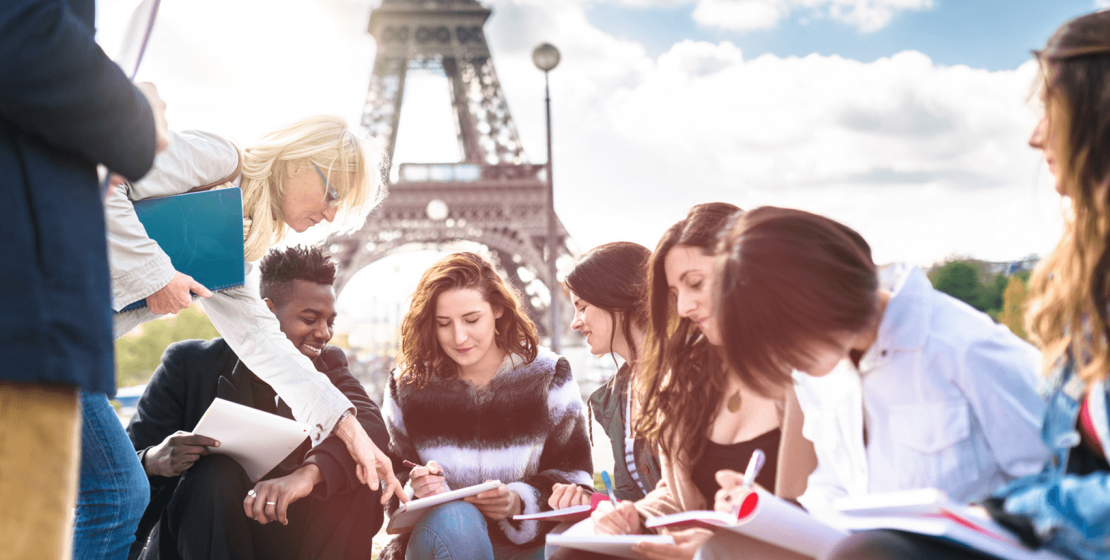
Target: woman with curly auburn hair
point(474, 398)
point(703, 416)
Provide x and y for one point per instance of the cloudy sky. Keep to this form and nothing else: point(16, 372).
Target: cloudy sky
point(906, 119)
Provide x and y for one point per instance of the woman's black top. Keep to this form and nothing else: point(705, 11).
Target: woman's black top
point(735, 457)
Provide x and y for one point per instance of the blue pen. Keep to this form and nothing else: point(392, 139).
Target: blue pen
point(608, 487)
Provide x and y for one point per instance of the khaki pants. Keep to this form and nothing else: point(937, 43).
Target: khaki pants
point(40, 431)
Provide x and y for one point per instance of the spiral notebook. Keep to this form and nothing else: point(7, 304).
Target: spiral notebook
point(202, 232)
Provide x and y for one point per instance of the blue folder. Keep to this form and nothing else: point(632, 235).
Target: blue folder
point(202, 233)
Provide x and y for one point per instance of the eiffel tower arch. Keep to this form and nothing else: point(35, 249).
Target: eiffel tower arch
point(493, 197)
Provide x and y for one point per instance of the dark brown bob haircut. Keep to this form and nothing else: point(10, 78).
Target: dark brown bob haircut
point(682, 382)
point(613, 277)
point(421, 357)
point(785, 280)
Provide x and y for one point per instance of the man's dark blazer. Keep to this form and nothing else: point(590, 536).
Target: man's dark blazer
point(64, 107)
point(194, 372)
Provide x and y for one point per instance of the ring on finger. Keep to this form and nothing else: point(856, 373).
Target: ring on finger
point(251, 493)
point(271, 503)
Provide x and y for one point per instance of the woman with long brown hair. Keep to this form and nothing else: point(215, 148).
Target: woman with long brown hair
point(903, 387)
point(703, 416)
point(474, 398)
point(608, 287)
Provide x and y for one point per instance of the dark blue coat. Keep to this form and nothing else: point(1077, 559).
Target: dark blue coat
point(64, 107)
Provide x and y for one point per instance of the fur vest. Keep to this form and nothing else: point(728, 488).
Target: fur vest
point(526, 428)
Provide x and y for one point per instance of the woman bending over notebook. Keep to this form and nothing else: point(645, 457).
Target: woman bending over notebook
point(1066, 506)
point(902, 386)
point(474, 398)
point(315, 170)
point(608, 287)
point(703, 415)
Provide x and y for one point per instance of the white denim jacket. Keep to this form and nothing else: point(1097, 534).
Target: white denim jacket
point(139, 268)
point(948, 398)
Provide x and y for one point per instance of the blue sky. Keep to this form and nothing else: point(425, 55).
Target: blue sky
point(987, 34)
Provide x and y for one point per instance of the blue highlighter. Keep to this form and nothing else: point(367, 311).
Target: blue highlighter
point(608, 486)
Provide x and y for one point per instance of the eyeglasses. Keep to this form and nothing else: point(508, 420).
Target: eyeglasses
point(332, 197)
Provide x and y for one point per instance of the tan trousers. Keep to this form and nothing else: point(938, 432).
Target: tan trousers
point(40, 436)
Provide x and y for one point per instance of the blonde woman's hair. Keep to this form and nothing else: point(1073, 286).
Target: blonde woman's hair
point(351, 166)
point(1067, 315)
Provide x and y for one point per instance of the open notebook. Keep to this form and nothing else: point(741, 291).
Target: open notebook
point(765, 517)
point(201, 232)
point(406, 516)
point(930, 512)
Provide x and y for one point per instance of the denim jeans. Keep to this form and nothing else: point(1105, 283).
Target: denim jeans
point(113, 490)
point(458, 531)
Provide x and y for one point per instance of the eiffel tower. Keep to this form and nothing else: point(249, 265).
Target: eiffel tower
point(493, 197)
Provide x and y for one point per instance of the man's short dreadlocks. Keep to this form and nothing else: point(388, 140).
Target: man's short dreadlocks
point(281, 267)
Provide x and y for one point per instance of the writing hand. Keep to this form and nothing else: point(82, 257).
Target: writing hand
point(176, 454)
point(270, 499)
point(426, 481)
point(567, 495)
point(175, 296)
point(497, 504)
point(616, 519)
point(732, 492)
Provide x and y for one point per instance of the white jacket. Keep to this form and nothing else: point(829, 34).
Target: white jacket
point(139, 268)
point(948, 399)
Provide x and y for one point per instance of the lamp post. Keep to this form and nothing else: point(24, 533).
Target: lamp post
point(546, 58)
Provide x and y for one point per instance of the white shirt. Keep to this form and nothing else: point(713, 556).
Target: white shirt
point(948, 398)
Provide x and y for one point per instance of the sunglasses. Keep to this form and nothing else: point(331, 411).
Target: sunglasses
point(332, 197)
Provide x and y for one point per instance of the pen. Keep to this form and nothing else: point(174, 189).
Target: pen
point(411, 465)
point(754, 465)
point(609, 487)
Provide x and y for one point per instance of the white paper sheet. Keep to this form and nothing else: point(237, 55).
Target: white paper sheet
point(258, 440)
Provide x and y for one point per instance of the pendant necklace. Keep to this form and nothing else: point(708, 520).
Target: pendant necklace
point(733, 403)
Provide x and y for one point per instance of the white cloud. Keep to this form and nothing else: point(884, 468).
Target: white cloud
point(925, 160)
point(1102, 3)
point(744, 15)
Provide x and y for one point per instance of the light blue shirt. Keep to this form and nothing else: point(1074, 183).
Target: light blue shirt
point(947, 396)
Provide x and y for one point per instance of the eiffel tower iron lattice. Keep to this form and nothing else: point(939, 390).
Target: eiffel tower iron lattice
point(493, 197)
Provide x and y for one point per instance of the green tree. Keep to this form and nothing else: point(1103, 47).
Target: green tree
point(138, 354)
point(1013, 304)
point(960, 280)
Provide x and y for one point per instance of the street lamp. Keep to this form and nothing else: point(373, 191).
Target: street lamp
point(546, 58)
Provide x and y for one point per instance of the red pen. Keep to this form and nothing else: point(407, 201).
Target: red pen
point(412, 465)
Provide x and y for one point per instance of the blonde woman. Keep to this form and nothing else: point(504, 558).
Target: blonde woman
point(315, 170)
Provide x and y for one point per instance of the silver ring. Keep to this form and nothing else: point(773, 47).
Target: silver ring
point(271, 503)
point(251, 493)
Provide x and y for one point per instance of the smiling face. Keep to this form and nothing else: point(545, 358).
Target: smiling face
point(305, 201)
point(466, 331)
point(594, 323)
point(307, 315)
point(689, 273)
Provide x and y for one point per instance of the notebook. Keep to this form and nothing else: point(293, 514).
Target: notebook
point(928, 511)
point(581, 536)
point(406, 516)
point(765, 517)
point(572, 513)
point(202, 232)
point(257, 440)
